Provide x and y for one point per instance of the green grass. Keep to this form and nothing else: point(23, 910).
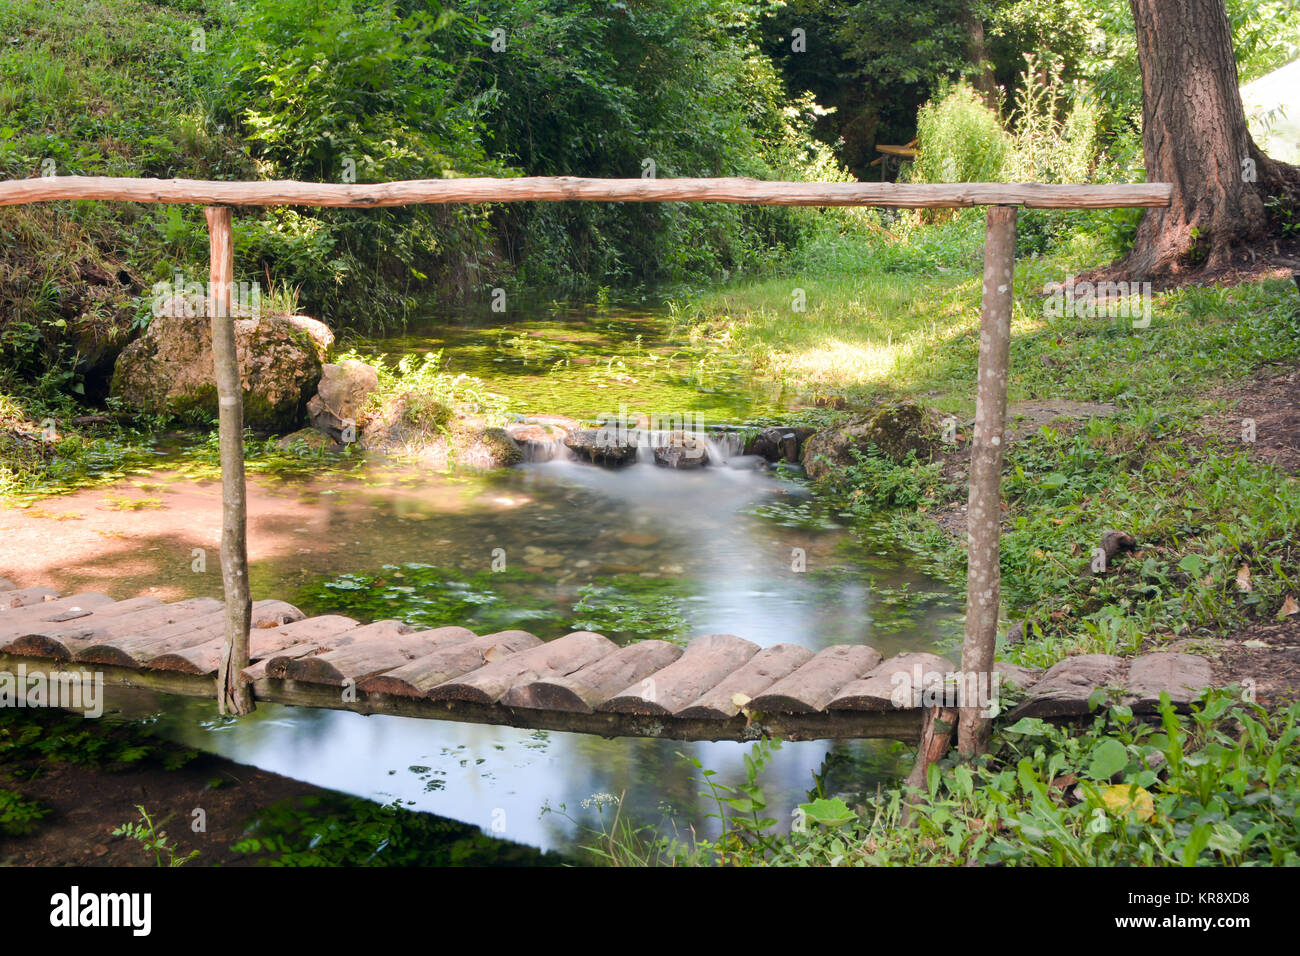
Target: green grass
point(892, 317)
point(888, 317)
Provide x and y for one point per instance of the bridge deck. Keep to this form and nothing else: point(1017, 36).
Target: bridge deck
point(719, 687)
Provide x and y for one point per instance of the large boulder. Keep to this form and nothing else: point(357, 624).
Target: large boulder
point(170, 369)
point(341, 397)
point(893, 428)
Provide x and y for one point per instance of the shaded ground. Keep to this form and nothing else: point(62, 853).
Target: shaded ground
point(1271, 398)
point(1264, 657)
point(79, 831)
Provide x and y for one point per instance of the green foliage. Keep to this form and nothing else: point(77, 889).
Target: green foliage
point(1217, 788)
point(336, 830)
point(603, 89)
point(427, 387)
point(746, 834)
point(874, 481)
point(869, 65)
point(356, 92)
point(18, 815)
point(959, 139)
point(30, 737)
point(154, 839)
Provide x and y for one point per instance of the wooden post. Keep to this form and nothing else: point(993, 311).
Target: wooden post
point(984, 517)
point(234, 696)
point(937, 728)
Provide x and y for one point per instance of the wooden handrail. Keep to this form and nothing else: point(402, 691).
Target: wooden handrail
point(569, 188)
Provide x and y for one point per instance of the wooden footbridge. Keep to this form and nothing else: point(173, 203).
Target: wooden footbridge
point(719, 687)
point(714, 688)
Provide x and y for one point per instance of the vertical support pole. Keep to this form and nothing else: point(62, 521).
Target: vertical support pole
point(984, 513)
point(233, 695)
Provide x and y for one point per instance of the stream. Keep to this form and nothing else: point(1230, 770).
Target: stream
point(637, 552)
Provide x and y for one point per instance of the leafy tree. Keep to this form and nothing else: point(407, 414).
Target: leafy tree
point(594, 88)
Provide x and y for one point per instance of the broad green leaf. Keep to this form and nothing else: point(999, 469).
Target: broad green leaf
point(830, 813)
point(1108, 758)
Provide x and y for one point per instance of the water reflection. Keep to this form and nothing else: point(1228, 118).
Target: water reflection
point(496, 777)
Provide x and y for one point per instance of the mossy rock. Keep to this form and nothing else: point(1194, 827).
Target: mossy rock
point(895, 429)
point(169, 369)
point(415, 426)
point(309, 437)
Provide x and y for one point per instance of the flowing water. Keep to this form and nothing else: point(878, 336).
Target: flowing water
point(635, 552)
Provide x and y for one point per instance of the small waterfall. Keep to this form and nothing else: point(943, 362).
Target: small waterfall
point(538, 445)
point(541, 451)
point(723, 446)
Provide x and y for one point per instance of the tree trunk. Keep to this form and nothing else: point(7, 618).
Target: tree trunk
point(984, 511)
point(233, 694)
point(1194, 136)
point(977, 52)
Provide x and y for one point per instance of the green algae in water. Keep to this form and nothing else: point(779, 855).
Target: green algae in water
point(622, 607)
point(631, 606)
point(425, 596)
point(583, 363)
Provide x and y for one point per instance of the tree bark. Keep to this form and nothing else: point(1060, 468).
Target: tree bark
point(984, 511)
point(1194, 136)
point(234, 696)
point(936, 737)
point(977, 52)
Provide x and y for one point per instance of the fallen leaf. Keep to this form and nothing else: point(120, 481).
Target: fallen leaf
point(1243, 578)
point(493, 653)
point(740, 700)
point(1289, 607)
point(1127, 799)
